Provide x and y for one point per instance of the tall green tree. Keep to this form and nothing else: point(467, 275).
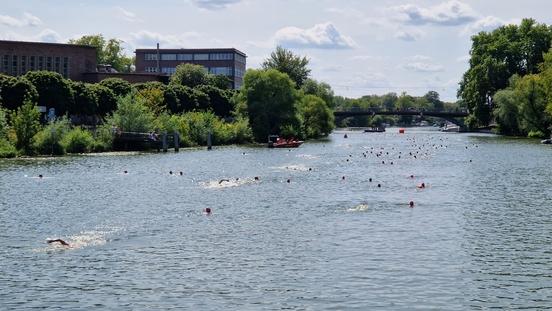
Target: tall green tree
point(119, 86)
point(506, 112)
point(531, 94)
point(189, 75)
point(109, 52)
point(495, 57)
point(15, 90)
point(284, 60)
point(271, 99)
point(25, 122)
point(318, 119)
point(53, 90)
point(320, 89)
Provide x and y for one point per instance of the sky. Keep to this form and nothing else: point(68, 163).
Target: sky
point(359, 47)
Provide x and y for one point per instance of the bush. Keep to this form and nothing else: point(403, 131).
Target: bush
point(104, 137)
point(7, 150)
point(118, 86)
point(78, 140)
point(14, 91)
point(53, 90)
point(48, 140)
point(25, 122)
point(133, 114)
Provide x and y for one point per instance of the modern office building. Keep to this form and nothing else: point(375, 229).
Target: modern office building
point(70, 60)
point(229, 62)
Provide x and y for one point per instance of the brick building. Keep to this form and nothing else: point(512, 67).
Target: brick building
point(71, 61)
point(229, 61)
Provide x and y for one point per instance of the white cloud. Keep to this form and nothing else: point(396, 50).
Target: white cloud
point(450, 13)
point(126, 15)
point(422, 67)
point(214, 4)
point(463, 59)
point(149, 39)
point(418, 58)
point(486, 23)
point(320, 36)
point(46, 35)
point(366, 58)
point(26, 20)
point(409, 34)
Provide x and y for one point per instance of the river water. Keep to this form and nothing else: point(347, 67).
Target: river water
point(478, 237)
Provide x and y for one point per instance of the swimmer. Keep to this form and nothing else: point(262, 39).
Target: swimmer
point(342, 177)
point(170, 172)
point(345, 136)
point(421, 186)
point(256, 177)
point(382, 162)
point(370, 179)
point(288, 181)
point(62, 242)
point(226, 180)
point(125, 172)
point(181, 173)
point(310, 168)
point(411, 204)
point(40, 176)
point(411, 176)
point(207, 210)
point(379, 185)
point(237, 179)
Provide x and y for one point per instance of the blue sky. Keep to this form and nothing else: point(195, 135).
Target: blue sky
point(358, 47)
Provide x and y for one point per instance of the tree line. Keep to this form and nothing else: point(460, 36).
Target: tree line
point(194, 102)
point(509, 80)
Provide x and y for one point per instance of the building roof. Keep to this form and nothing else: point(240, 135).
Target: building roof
point(201, 50)
point(48, 44)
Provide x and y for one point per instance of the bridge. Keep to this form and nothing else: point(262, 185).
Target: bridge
point(405, 112)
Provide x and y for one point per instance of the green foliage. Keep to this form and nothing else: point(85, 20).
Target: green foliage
point(318, 119)
point(189, 75)
point(3, 124)
point(286, 62)
point(220, 101)
point(104, 136)
point(495, 57)
point(320, 89)
point(133, 114)
point(107, 101)
point(85, 100)
point(531, 93)
point(118, 86)
point(53, 90)
point(25, 122)
point(271, 101)
point(15, 90)
point(7, 150)
point(109, 52)
point(506, 112)
point(78, 140)
point(48, 140)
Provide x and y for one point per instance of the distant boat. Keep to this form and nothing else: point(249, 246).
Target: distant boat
point(375, 130)
point(449, 127)
point(277, 142)
point(546, 141)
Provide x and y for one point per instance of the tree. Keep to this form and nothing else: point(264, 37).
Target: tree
point(219, 100)
point(271, 101)
point(189, 75)
point(25, 122)
point(53, 90)
point(119, 86)
point(318, 119)
point(85, 99)
point(109, 52)
point(530, 92)
point(15, 90)
point(506, 112)
point(320, 89)
point(293, 65)
point(433, 98)
point(495, 57)
point(133, 115)
point(107, 101)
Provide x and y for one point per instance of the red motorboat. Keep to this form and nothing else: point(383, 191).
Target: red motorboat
point(278, 142)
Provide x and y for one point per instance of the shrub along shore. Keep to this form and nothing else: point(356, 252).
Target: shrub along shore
point(278, 99)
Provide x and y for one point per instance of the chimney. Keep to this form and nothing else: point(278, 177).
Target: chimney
point(158, 58)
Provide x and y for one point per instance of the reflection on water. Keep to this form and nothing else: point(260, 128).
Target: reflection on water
point(478, 236)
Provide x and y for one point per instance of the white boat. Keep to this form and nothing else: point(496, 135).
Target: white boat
point(450, 127)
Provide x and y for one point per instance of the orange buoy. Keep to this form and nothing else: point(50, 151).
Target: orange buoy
point(401, 131)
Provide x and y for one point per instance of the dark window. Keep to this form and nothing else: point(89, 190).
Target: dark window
point(66, 67)
point(41, 63)
point(23, 64)
point(32, 64)
point(49, 63)
point(57, 67)
point(6, 63)
point(14, 65)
